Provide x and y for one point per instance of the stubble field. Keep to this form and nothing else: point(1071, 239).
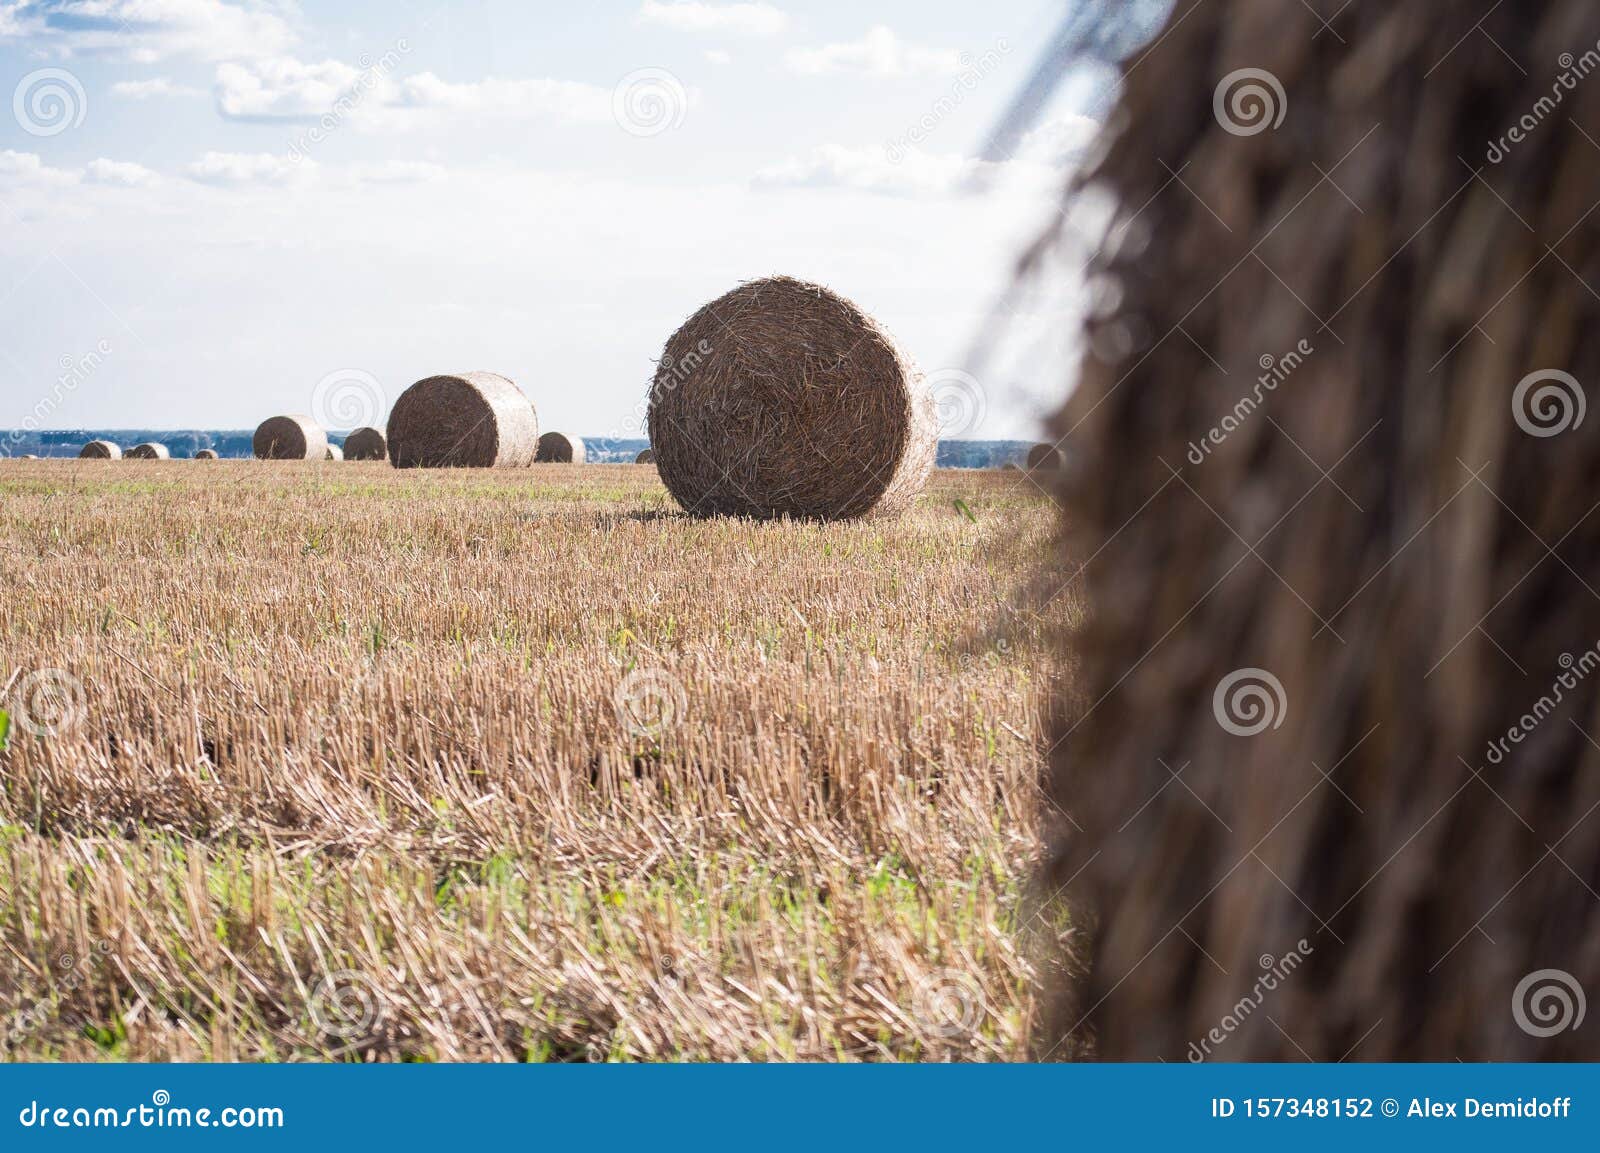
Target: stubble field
point(334, 761)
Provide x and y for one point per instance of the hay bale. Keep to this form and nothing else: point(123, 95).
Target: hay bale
point(648, 456)
point(334, 453)
point(27, 456)
point(366, 444)
point(467, 420)
point(149, 450)
point(559, 448)
point(782, 398)
point(100, 450)
point(205, 454)
point(1045, 457)
point(292, 437)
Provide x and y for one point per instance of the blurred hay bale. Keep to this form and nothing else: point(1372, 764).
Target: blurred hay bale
point(468, 420)
point(149, 450)
point(781, 398)
point(206, 454)
point(1044, 457)
point(100, 450)
point(646, 456)
point(366, 444)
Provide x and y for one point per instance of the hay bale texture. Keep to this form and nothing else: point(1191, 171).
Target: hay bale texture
point(100, 450)
point(646, 456)
point(293, 437)
point(467, 420)
point(206, 454)
point(366, 444)
point(559, 448)
point(1043, 457)
point(335, 453)
point(1308, 637)
point(149, 450)
point(782, 398)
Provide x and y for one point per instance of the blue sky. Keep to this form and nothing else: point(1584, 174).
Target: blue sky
point(211, 212)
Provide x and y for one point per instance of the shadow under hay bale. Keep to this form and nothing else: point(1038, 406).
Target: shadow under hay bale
point(292, 437)
point(559, 448)
point(366, 444)
point(150, 450)
point(1335, 717)
point(782, 398)
point(470, 420)
point(100, 450)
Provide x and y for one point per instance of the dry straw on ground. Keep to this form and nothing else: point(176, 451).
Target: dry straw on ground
point(206, 454)
point(782, 398)
point(150, 450)
point(468, 420)
point(292, 437)
point(366, 444)
point(646, 456)
point(100, 450)
point(559, 448)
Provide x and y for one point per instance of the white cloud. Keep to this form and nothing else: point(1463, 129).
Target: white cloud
point(516, 99)
point(150, 30)
point(239, 169)
point(281, 88)
point(911, 172)
point(878, 53)
point(758, 19)
point(1061, 141)
point(27, 168)
point(718, 56)
point(157, 86)
point(120, 172)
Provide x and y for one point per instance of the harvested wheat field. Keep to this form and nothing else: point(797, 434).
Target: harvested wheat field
point(375, 765)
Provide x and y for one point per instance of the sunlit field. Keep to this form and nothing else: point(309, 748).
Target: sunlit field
point(312, 761)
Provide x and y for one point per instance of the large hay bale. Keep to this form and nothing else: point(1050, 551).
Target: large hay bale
point(100, 450)
point(366, 444)
point(334, 453)
point(1334, 696)
point(646, 456)
point(149, 450)
point(782, 398)
point(206, 454)
point(1044, 457)
point(467, 420)
point(559, 448)
point(292, 437)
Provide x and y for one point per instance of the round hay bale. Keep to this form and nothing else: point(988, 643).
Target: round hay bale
point(1045, 457)
point(467, 420)
point(559, 448)
point(292, 437)
point(782, 398)
point(100, 450)
point(648, 456)
point(206, 454)
point(366, 444)
point(334, 453)
point(149, 450)
point(1010, 466)
point(27, 456)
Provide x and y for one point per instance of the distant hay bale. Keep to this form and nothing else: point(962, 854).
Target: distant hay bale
point(467, 420)
point(149, 450)
point(292, 437)
point(1045, 456)
point(27, 456)
point(366, 444)
point(648, 456)
point(100, 450)
point(205, 454)
point(335, 453)
point(559, 448)
point(782, 398)
point(1010, 466)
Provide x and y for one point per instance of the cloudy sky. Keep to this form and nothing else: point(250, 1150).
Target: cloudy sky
point(211, 211)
